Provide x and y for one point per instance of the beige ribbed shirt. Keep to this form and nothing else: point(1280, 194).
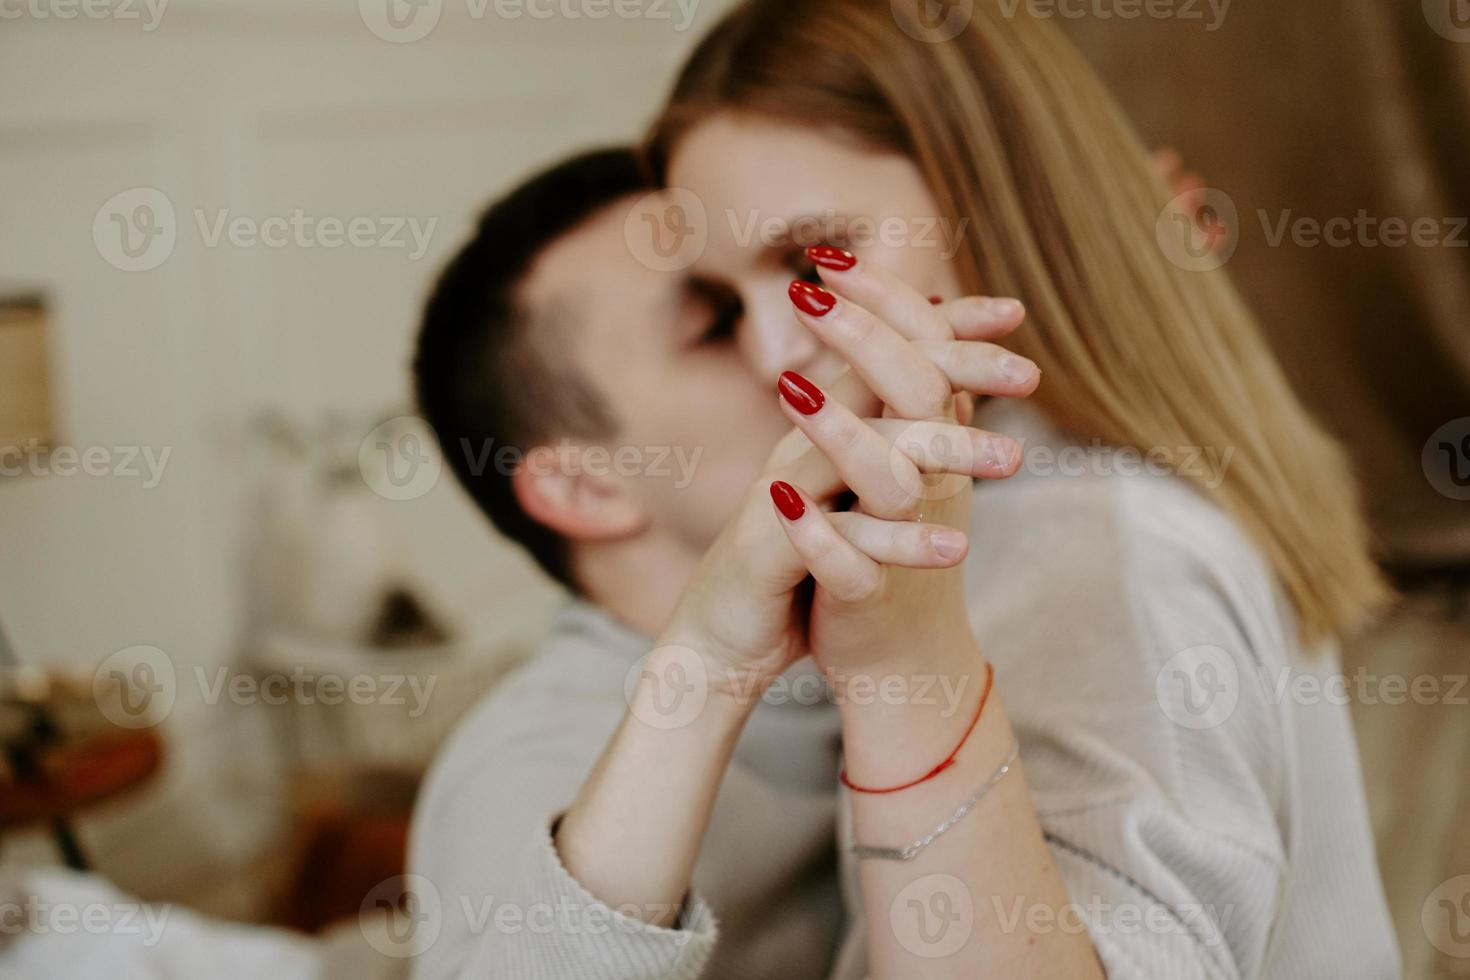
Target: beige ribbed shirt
point(1206, 815)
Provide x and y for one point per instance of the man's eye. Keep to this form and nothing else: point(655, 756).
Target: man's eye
point(722, 324)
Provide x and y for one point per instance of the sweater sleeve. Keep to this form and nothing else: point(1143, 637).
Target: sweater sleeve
point(482, 845)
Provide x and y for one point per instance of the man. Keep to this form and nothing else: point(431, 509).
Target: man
point(547, 331)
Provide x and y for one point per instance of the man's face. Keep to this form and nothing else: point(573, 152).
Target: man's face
point(694, 420)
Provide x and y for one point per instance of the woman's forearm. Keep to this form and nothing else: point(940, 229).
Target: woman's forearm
point(949, 912)
point(633, 833)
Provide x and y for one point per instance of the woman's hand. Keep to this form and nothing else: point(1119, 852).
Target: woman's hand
point(912, 757)
point(912, 466)
point(739, 613)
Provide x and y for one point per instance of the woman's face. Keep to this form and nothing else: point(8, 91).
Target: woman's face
point(769, 190)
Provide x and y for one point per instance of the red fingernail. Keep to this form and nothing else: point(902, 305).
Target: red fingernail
point(936, 300)
point(800, 393)
point(787, 501)
point(830, 257)
point(811, 298)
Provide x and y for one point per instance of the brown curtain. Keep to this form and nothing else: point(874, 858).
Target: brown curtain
point(1318, 110)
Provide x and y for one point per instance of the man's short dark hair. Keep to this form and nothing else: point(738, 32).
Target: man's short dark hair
point(489, 373)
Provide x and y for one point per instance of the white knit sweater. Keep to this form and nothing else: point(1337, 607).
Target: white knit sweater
point(1208, 822)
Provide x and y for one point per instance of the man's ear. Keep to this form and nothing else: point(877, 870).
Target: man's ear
point(554, 490)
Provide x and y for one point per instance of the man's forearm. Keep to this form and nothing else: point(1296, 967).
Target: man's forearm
point(633, 834)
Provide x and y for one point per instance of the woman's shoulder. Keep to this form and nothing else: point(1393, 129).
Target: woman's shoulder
point(1117, 519)
point(1131, 619)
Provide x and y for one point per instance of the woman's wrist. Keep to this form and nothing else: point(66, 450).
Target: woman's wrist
point(903, 717)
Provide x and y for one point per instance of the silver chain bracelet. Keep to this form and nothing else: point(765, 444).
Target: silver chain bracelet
point(911, 851)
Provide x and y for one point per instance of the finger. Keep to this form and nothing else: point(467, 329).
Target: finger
point(904, 543)
point(964, 407)
point(810, 467)
point(942, 447)
point(983, 317)
point(838, 566)
point(880, 291)
point(981, 369)
point(885, 480)
point(902, 378)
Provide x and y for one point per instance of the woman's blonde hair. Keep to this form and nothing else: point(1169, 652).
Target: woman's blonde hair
point(1013, 131)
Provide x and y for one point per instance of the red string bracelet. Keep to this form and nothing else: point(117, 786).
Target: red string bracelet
point(984, 697)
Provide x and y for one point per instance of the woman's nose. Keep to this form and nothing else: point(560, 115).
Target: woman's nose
point(774, 340)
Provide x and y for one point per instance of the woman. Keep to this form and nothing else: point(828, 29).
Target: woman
point(1145, 627)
